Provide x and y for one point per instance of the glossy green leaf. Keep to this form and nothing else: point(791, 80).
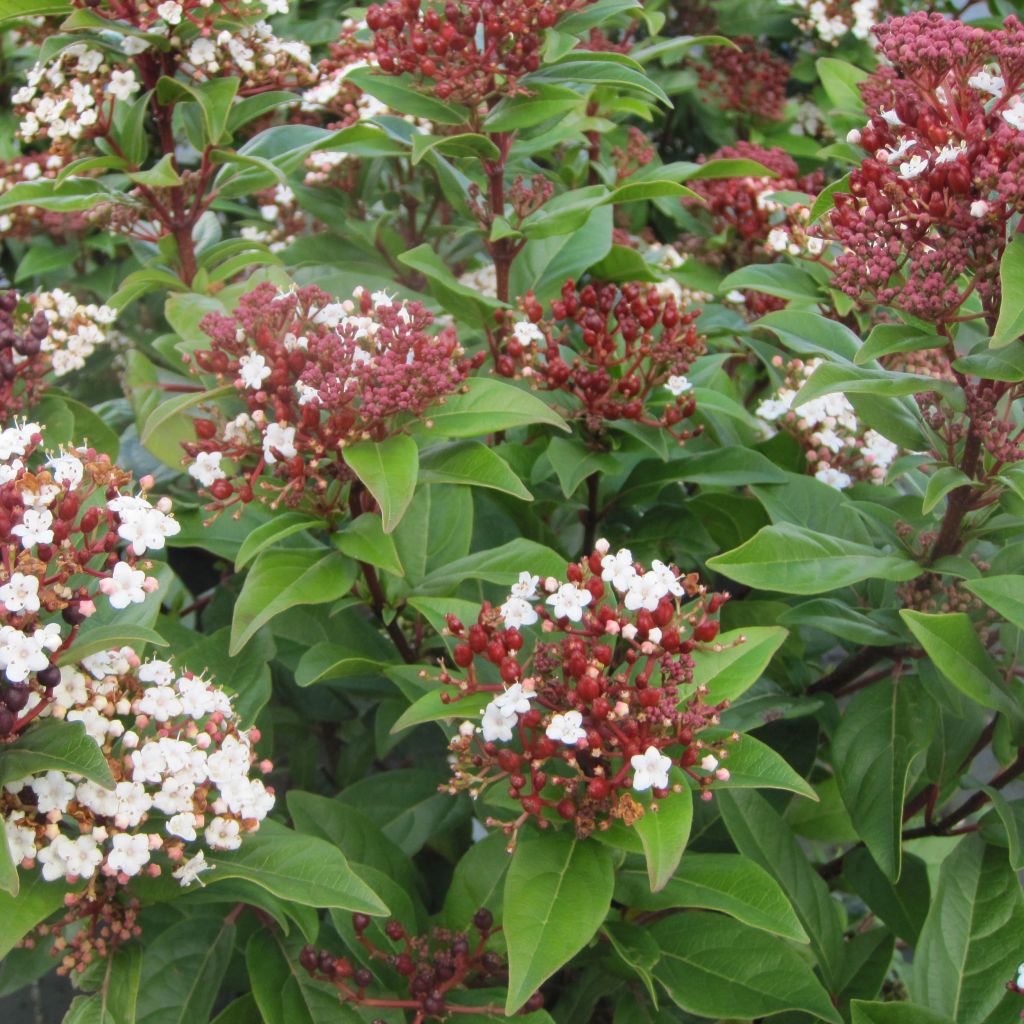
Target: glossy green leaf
point(717, 967)
point(105, 638)
point(398, 94)
point(388, 469)
point(863, 1012)
point(902, 905)
point(279, 580)
point(1010, 323)
point(52, 744)
point(474, 464)
point(736, 660)
point(1005, 594)
point(794, 560)
point(972, 939)
point(488, 406)
point(663, 835)
point(754, 765)
point(780, 279)
point(557, 892)
point(940, 483)
point(364, 539)
point(283, 525)
point(886, 339)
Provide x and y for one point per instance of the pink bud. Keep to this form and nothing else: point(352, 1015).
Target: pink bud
point(151, 584)
point(87, 608)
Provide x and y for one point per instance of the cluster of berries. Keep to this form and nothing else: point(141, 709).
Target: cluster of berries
point(315, 375)
point(628, 344)
point(434, 967)
point(589, 682)
point(469, 51)
point(746, 79)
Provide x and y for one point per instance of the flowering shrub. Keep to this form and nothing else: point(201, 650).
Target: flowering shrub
point(511, 510)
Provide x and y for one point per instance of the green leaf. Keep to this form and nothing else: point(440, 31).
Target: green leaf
point(780, 279)
point(1011, 814)
point(465, 144)
point(731, 466)
point(332, 661)
point(214, 97)
point(182, 971)
point(160, 175)
point(840, 620)
point(9, 881)
point(11, 9)
point(754, 765)
point(725, 882)
point(731, 671)
point(34, 903)
point(51, 744)
point(566, 212)
point(826, 199)
point(557, 892)
point(488, 406)
point(545, 102)
point(401, 96)
point(716, 967)
point(364, 539)
point(883, 728)
point(993, 365)
point(580, 68)
point(952, 643)
point(465, 303)
point(1003, 593)
point(498, 565)
point(892, 1013)
point(663, 835)
point(573, 462)
point(840, 80)
point(901, 906)
point(793, 560)
point(761, 834)
point(971, 941)
point(388, 469)
point(157, 420)
point(809, 333)
point(830, 378)
point(70, 196)
point(279, 580)
point(430, 708)
point(105, 638)
point(472, 463)
point(1010, 323)
point(300, 868)
point(940, 483)
point(885, 339)
point(284, 524)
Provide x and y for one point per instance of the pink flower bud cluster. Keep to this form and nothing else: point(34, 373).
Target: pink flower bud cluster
point(589, 678)
point(469, 51)
point(925, 222)
point(313, 376)
point(182, 785)
point(630, 348)
point(838, 449)
point(750, 81)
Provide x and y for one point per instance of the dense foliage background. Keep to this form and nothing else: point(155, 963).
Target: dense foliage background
point(513, 507)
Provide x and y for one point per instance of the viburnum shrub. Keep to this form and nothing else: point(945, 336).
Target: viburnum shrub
point(511, 510)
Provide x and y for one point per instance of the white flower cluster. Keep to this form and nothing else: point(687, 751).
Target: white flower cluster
point(791, 235)
point(829, 424)
point(502, 714)
point(830, 21)
point(62, 98)
point(76, 328)
point(182, 765)
point(276, 210)
point(255, 50)
point(640, 591)
point(483, 280)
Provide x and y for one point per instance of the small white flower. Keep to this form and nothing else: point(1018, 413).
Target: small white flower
point(253, 370)
point(497, 723)
point(518, 612)
point(34, 527)
point(183, 826)
point(130, 854)
point(833, 477)
point(223, 834)
point(134, 45)
point(569, 601)
point(979, 208)
point(125, 586)
point(170, 12)
point(650, 769)
point(985, 81)
point(891, 117)
point(206, 469)
point(191, 869)
point(1013, 115)
point(122, 85)
point(514, 701)
point(645, 592)
point(526, 586)
point(618, 569)
point(281, 439)
point(66, 469)
point(566, 728)
point(709, 763)
point(913, 167)
point(53, 792)
point(778, 239)
point(527, 333)
point(20, 593)
point(678, 385)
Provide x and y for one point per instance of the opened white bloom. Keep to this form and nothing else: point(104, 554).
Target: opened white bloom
point(567, 728)
point(913, 167)
point(515, 700)
point(20, 593)
point(891, 117)
point(979, 208)
point(527, 333)
point(170, 12)
point(985, 81)
point(279, 439)
point(833, 477)
point(569, 601)
point(133, 45)
point(34, 528)
point(518, 612)
point(778, 239)
point(126, 586)
point(497, 723)
point(645, 592)
point(253, 370)
point(206, 469)
point(678, 385)
point(618, 569)
point(122, 85)
point(223, 834)
point(53, 792)
point(1013, 115)
point(526, 587)
point(650, 769)
point(130, 853)
point(709, 763)
point(191, 869)
point(183, 826)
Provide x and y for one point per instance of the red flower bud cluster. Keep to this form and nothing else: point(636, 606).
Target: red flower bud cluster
point(313, 376)
point(593, 703)
point(469, 51)
point(631, 346)
point(750, 81)
point(925, 222)
point(434, 966)
point(23, 364)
